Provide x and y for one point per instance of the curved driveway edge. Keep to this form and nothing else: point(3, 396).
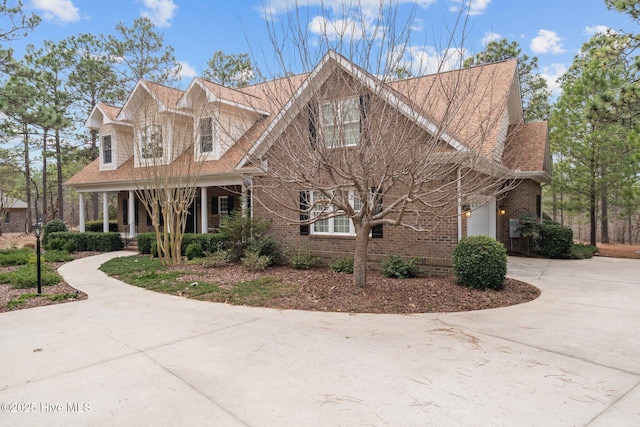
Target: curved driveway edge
point(128, 356)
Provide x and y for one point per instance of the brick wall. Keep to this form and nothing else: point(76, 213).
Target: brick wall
point(520, 200)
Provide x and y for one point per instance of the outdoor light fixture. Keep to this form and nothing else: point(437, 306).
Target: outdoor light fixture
point(37, 230)
point(503, 211)
point(467, 211)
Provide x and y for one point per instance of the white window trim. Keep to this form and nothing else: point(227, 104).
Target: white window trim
point(223, 213)
point(338, 105)
point(102, 151)
point(331, 221)
point(199, 136)
point(143, 143)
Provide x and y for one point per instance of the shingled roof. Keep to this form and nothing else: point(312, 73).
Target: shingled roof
point(469, 104)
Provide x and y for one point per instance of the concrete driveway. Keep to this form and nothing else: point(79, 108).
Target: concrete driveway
point(127, 356)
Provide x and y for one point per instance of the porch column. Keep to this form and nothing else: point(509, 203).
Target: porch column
point(81, 211)
point(105, 212)
point(204, 215)
point(132, 214)
point(246, 188)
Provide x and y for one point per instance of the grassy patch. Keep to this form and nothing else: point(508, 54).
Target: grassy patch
point(22, 299)
point(26, 276)
point(148, 273)
point(15, 256)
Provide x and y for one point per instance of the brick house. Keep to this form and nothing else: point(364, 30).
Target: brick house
point(13, 215)
point(229, 137)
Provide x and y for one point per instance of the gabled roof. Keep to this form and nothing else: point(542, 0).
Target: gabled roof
point(216, 93)
point(527, 151)
point(166, 97)
point(8, 202)
point(102, 114)
point(327, 65)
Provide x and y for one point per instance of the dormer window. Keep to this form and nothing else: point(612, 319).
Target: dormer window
point(151, 142)
point(206, 135)
point(107, 157)
point(340, 122)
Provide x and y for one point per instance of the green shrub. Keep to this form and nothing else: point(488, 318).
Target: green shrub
point(238, 230)
point(26, 276)
point(15, 256)
point(215, 259)
point(265, 245)
point(53, 226)
point(342, 265)
point(582, 251)
point(97, 226)
point(253, 261)
point(208, 242)
point(70, 246)
point(57, 256)
point(194, 250)
point(480, 262)
point(399, 268)
point(303, 259)
point(56, 244)
point(554, 241)
point(89, 241)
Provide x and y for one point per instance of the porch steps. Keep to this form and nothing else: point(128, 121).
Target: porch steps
point(132, 245)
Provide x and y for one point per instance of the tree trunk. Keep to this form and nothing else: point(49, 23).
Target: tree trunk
point(360, 256)
point(44, 176)
point(27, 174)
point(604, 217)
point(59, 171)
point(592, 214)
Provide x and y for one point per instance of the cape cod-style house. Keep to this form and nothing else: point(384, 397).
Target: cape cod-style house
point(231, 143)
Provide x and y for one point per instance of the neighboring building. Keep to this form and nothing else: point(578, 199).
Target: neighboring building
point(13, 215)
point(234, 132)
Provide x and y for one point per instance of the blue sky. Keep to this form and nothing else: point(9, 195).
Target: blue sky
point(552, 30)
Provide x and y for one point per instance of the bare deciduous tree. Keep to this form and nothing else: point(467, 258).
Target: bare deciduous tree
point(354, 150)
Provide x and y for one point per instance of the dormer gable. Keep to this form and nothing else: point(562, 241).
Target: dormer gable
point(221, 117)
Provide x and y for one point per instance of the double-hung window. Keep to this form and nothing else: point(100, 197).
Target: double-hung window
point(331, 221)
point(151, 142)
point(340, 121)
point(107, 157)
point(206, 135)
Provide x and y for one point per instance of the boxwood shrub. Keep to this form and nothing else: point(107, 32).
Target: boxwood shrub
point(53, 226)
point(208, 242)
point(90, 241)
point(96, 226)
point(555, 241)
point(480, 262)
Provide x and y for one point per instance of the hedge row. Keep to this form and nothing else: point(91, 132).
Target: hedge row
point(91, 241)
point(97, 226)
point(208, 242)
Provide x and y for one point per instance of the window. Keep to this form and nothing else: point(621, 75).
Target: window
point(340, 122)
point(151, 142)
point(223, 206)
point(106, 149)
point(338, 224)
point(206, 135)
point(7, 217)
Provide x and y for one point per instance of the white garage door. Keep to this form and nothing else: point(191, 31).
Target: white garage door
point(483, 218)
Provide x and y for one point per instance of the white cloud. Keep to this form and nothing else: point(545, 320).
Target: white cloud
point(186, 70)
point(551, 74)
point(547, 41)
point(428, 60)
point(490, 37)
point(160, 12)
point(62, 11)
point(273, 8)
point(596, 29)
point(475, 7)
point(337, 28)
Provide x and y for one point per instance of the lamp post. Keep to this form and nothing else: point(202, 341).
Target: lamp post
point(37, 230)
